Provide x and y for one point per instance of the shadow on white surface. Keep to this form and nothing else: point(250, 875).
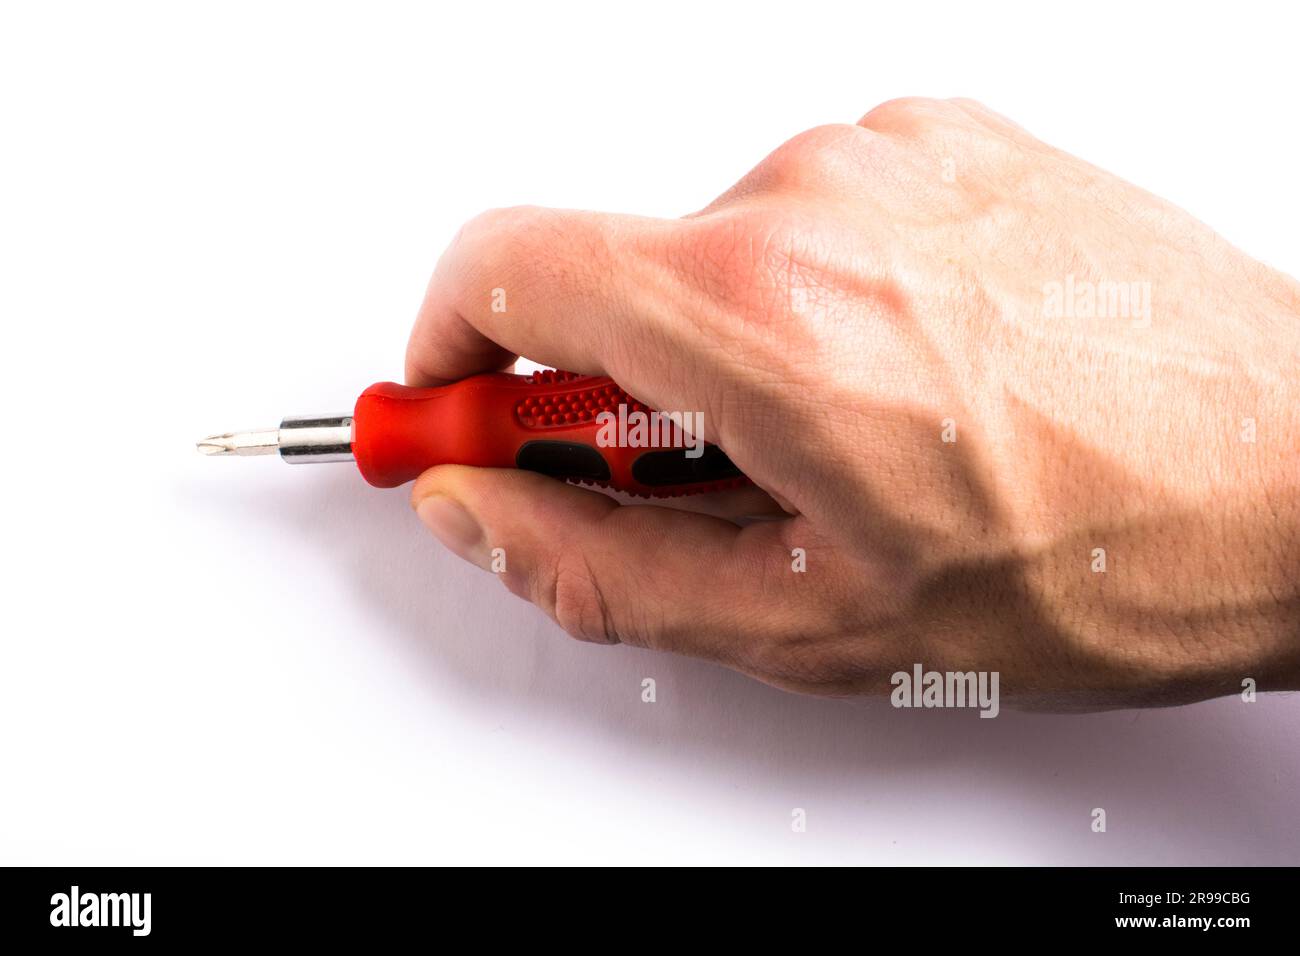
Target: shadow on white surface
point(1210, 783)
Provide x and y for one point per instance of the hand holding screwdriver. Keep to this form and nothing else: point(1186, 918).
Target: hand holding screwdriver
point(978, 478)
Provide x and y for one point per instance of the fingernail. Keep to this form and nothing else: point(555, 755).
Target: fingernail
point(455, 528)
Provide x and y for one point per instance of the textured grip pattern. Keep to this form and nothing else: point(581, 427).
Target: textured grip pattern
point(559, 406)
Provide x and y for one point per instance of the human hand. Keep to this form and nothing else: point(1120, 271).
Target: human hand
point(1024, 417)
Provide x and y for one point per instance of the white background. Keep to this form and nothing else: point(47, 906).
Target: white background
point(215, 214)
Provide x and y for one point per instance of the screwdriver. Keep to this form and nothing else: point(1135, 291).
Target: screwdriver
point(579, 428)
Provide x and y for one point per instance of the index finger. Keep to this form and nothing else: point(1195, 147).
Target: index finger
point(587, 292)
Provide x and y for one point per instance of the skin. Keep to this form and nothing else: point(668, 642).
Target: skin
point(866, 321)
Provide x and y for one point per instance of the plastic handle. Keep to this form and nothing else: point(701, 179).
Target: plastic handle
point(550, 422)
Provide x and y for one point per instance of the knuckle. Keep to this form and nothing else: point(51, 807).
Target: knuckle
point(815, 143)
point(909, 116)
point(491, 241)
point(971, 105)
point(577, 603)
point(535, 249)
point(959, 131)
point(812, 157)
point(499, 223)
point(529, 237)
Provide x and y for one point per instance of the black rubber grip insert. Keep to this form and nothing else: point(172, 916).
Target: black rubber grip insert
point(562, 459)
point(672, 467)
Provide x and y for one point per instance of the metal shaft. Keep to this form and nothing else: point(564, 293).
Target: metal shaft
point(299, 439)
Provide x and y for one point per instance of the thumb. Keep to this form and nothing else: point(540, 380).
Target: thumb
point(639, 574)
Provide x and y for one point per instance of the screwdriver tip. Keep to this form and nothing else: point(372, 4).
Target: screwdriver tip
point(263, 442)
point(215, 445)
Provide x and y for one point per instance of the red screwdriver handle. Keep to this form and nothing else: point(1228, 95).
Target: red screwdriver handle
point(574, 427)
